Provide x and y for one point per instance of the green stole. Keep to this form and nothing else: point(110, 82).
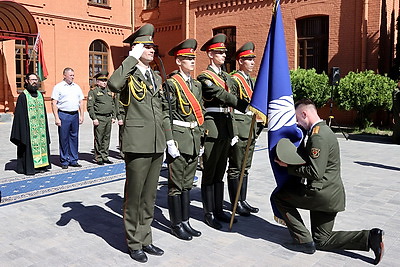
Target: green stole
point(37, 128)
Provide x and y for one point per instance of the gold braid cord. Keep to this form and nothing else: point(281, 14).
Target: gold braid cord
point(181, 101)
point(135, 87)
point(242, 92)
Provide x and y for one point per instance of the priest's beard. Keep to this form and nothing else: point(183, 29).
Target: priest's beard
point(32, 89)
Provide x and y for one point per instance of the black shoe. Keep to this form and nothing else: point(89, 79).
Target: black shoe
point(153, 250)
point(75, 165)
point(241, 210)
point(108, 161)
point(211, 221)
point(249, 207)
point(308, 248)
point(99, 162)
point(180, 232)
point(64, 167)
point(138, 255)
point(375, 241)
point(188, 228)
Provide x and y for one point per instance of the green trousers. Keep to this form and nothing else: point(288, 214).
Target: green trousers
point(181, 174)
point(236, 156)
point(321, 225)
point(142, 173)
point(102, 134)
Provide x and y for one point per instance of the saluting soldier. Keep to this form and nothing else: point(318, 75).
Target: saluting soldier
point(187, 118)
point(143, 140)
point(242, 121)
point(323, 195)
point(219, 98)
point(101, 108)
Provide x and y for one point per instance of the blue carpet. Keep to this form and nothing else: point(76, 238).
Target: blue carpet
point(18, 189)
point(21, 188)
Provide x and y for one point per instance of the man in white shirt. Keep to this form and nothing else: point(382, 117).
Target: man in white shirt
point(67, 108)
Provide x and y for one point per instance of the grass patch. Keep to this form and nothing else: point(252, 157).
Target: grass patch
point(374, 131)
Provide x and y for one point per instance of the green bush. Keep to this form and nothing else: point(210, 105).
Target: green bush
point(365, 92)
point(309, 84)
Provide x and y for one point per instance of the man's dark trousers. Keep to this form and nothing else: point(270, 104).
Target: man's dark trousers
point(68, 137)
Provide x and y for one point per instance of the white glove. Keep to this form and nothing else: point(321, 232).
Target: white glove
point(172, 149)
point(234, 140)
point(201, 151)
point(137, 51)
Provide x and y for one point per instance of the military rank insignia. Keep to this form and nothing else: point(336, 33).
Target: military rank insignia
point(314, 153)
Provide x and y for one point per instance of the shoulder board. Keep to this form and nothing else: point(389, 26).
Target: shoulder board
point(315, 130)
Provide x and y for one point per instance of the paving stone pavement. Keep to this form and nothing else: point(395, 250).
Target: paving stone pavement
point(84, 227)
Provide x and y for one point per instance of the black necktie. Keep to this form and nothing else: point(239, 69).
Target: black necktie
point(149, 80)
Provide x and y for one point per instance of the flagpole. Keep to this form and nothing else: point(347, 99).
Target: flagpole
point(246, 153)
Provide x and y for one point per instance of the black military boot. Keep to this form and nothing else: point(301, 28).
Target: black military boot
point(233, 184)
point(185, 197)
point(175, 216)
point(219, 199)
point(207, 195)
point(243, 195)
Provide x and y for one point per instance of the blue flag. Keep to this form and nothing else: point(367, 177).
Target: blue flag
point(272, 98)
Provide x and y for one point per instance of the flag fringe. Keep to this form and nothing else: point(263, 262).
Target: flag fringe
point(259, 114)
point(280, 221)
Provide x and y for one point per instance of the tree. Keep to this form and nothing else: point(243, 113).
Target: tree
point(365, 92)
point(309, 84)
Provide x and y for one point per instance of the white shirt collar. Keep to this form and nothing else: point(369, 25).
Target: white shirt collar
point(184, 76)
point(143, 70)
point(216, 69)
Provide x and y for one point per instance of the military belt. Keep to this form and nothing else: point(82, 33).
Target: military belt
point(106, 115)
point(187, 124)
point(219, 109)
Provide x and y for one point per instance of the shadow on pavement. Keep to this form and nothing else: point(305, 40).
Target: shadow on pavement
point(98, 221)
point(377, 165)
point(383, 139)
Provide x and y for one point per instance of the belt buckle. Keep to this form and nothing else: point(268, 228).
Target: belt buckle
point(226, 110)
point(192, 124)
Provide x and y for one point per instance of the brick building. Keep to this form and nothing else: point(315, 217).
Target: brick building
point(87, 35)
point(349, 34)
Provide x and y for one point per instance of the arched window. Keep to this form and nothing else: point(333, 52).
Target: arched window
point(98, 59)
point(312, 43)
point(230, 32)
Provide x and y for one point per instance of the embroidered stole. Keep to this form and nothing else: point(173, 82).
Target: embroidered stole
point(37, 127)
point(192, 99)
point(216, 79)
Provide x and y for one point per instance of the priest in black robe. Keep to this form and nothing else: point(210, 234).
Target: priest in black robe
point(30, 129)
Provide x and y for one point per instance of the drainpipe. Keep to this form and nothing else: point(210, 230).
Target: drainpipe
point(364, 36)
point(187, 3)
point(133, 15)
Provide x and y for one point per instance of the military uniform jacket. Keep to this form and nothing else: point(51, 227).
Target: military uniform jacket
point(143, 124)
point(242, 122)
point(100, 102)
point(322, 170)
point(119, 108)
point(216, 96)
point(188, 140)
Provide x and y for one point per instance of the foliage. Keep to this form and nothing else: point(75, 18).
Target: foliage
point(309, 84)
point(365, 92)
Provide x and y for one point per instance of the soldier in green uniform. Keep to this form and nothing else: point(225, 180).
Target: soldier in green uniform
point(323, 194)
point(143, 140)
point(100, 105)
point(218, 89)
point(242, 121)
point(187, 118)
point(120, 114)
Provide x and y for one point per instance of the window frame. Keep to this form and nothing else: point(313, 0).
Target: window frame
point(230, 61)
point(95, 67)
point(313, 36)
